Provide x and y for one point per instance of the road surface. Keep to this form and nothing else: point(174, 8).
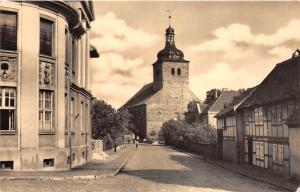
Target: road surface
point(152, 169)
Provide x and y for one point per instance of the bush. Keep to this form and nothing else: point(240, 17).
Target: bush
point(176, 131)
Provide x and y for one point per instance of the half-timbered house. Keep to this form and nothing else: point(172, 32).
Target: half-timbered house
point(266, 135)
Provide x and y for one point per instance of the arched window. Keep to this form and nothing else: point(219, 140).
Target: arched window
point(178, 71)
point(173, 71)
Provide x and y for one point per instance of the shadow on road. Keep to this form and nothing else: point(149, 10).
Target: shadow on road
point(189, 171)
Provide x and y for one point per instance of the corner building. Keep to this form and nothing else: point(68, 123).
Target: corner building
point(167, 96)
point(44, 85)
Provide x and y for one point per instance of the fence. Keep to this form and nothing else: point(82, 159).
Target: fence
point(206, 150)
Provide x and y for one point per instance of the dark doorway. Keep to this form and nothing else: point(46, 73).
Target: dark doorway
point(220, 144)
point(250, 151)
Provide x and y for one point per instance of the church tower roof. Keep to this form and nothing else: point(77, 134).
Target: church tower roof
point(170, 52)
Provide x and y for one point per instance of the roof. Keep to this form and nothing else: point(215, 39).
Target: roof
point(225, 98)
point(236, 102)
point(281, 83)
point(141, 97)
point(170, 52)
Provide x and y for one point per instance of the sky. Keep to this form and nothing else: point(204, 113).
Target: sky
point(230, 45)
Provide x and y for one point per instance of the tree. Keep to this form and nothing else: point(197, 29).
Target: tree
point(102, 119)
point(108, 123)
point(192, 115)
point(212, 95)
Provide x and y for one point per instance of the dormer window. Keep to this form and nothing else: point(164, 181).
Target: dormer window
point(173, 71)
point(178, 71)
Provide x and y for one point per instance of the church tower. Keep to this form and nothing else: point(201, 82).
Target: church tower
point(168, 96)
point(170, 70)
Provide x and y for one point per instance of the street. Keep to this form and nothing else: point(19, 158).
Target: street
point(152, 168)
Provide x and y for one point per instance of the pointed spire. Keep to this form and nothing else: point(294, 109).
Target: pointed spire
point(170, 17)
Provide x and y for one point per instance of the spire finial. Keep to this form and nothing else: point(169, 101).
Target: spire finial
point(170, 17)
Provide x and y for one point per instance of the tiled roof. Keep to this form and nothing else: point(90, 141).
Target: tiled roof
point(281, 83)
point(225, 98)
point(141, 97)
point(236, 102)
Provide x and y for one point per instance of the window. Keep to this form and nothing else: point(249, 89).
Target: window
point(7, 109)
point(48, 162)
point(278, 154)
point(72, 114)
point(178, 71)
point(73, 56)
point(8, 30)
point(260, 150)
point(173, 71)
point(81, 116)
point(6, 165)
point(67, 56)
point(291, 107)
point(46, 37)
point(46, 110)
point(258, 115)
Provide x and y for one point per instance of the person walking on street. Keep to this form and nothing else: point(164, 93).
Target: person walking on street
point(136, 144)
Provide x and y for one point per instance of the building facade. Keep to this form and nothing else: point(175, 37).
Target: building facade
point(265, 113)
point(230, 143)
point(44, 85)
point(167, 96)
point(207, 117)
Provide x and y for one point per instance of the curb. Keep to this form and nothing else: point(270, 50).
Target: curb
point(123, 164)
point(234, 171)
point(75, 177)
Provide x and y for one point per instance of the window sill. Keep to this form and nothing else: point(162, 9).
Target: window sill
point(47, 57)
point(47, 132)
point(8, 51)
point(2, 132)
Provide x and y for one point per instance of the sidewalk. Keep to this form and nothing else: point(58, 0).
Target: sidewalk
point(91, 170)
point(255, 173)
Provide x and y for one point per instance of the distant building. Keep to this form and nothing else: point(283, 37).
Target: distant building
point(266, 111)
point(167, 96)
point(230, 130)
point(44, 84)
point(207, 117)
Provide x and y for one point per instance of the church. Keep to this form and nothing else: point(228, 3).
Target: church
point(167, 96)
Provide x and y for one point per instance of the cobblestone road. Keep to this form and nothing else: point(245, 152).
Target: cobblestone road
point(152, 169)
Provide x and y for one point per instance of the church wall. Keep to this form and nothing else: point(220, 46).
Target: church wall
point(164, 107)
point(139, 119)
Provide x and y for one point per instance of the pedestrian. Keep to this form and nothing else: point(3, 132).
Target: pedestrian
point(136, 144)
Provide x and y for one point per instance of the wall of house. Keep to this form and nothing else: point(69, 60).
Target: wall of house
point(212, 121)
point(28, 146)
point(266, 127)
point(294, 143)
point(229, 150)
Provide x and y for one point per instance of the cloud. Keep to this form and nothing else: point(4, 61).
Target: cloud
point(116, 78)
point(281, 52)
point(113, 34)
point(222, 75)
point(235, 41)
point(282, 35)
point(225, 38)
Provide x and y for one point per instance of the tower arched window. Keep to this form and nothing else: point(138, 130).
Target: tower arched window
point(173, 71)
point(178, 71)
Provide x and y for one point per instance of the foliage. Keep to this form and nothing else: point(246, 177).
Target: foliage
point(175, 131)
point(102, 119)
point(192, 115)
point(212, 95)
point(107, 123)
